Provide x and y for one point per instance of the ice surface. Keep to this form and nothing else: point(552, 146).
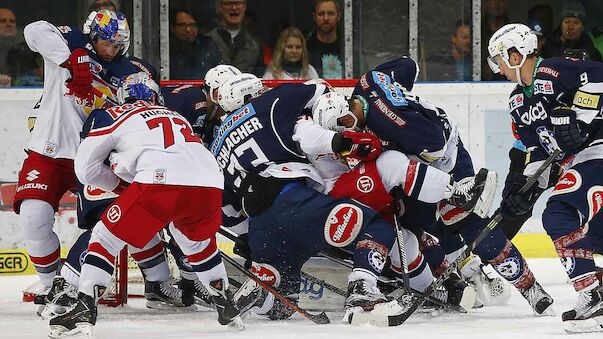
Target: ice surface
point(515, 321)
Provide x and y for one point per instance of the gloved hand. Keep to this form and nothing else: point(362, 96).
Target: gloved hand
point(569, 132)
point(80, 83)
point(365, 146)
point(243, 250)
point(514, 203)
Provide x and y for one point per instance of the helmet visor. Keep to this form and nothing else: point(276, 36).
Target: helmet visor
point(493, 64)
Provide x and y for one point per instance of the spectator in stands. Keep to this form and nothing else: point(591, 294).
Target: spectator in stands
point(290, 58)
point(495, 16)
point(9, 37)
point(237, 46)
point(25, 66)
point(538, 29)
point(191, 54)
point(97, 5)
point(324, 45)
point(542, 13)
point(570, 34)
point(456, 64)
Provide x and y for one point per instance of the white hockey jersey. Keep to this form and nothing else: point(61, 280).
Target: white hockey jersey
point(145, 144)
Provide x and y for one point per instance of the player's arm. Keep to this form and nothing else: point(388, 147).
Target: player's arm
point(45, 38)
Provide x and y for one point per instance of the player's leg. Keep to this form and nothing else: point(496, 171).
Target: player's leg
point(42, 183)
point(573, 204)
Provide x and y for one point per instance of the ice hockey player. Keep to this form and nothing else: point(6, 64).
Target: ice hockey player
point(419, 129)
point(373, 182)
point(160, 171)
point(289, 220)
point(73, 62)
point(556, 104)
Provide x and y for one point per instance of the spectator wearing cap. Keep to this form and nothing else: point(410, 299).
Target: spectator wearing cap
point(570, 34)
point(538, 29)
point(191, 54)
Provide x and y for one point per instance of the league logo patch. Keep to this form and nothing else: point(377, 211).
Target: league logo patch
point(365, 184)
point(159, 176)
point(343, 225)
point(376, 260)
point(595, 200)
point(266, 273)
point(570, 181)
point(569, 264)
point(114, 214)
point(510, 268)
point(50, 148)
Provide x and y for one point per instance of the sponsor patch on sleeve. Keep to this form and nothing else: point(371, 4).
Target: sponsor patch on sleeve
point(586, 100)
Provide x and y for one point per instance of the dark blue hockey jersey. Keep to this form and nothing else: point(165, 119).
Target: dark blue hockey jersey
point(259, 135)
point(557, 82)
point(397, 116)
point(190, 102)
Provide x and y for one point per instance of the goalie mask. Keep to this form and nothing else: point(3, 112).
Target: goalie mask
point(329, 108)
point(237, 90)
point(110, 26)
point(137, 86)
point(510, 38)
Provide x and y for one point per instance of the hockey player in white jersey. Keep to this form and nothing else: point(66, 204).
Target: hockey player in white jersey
point(72, 60)
point(162, 173)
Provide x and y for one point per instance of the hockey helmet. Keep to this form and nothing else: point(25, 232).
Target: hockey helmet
point(329, 108)
point(516, 37)
point(237, 90)
point(137, 86)
point(216, 76)
point(110, 26)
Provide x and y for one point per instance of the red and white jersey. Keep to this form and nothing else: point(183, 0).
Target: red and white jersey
point(59, 118)
point(145, 144)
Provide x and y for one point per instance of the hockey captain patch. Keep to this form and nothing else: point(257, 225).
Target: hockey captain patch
point(343, 225)
point(586, 100)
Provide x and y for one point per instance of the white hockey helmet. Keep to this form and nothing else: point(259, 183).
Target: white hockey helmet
point(516, 37)
point(327, 110)
point(216, 76)
point(137, 86)
point(237, 90)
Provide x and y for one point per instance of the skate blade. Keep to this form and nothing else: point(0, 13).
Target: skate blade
point(81, 330)
point(236, 324)
point(584, 326)
point(162, 305)
point(548, 312)
point(484, 203)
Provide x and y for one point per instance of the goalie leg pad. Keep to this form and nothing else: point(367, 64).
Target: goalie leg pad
point(381, 315)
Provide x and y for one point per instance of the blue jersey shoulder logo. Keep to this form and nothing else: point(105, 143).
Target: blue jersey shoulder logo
point(393, 91)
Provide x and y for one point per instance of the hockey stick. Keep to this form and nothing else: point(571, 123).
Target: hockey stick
point(400, 237)
point(320, 318)
point(494, 221)
point(231, 236)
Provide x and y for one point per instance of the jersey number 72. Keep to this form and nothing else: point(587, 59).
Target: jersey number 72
point(167, 125)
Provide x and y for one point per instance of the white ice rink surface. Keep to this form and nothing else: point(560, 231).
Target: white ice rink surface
point(514, 321)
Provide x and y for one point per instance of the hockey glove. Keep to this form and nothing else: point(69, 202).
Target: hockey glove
point(569, 132)
point(362, 146)
point(514, 203)
point(80, 83)
point(242, 249)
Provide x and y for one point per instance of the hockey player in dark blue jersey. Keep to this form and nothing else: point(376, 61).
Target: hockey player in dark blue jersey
point(289, 219)
point(419, 129)
point(557, 104)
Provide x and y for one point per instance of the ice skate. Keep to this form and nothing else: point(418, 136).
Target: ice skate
point(538, 298)
point(61, 297)
point(77, 321)
point(162, 295)
point(365, 304)
point(193, 292)
point(456, 293)
point(587, 315)
point(474, 194)
point(228, 313)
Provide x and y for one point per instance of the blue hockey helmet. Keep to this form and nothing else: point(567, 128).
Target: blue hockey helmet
point(110, 26)
point(138, 86)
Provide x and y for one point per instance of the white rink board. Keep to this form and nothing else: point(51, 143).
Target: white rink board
point(480, 110)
